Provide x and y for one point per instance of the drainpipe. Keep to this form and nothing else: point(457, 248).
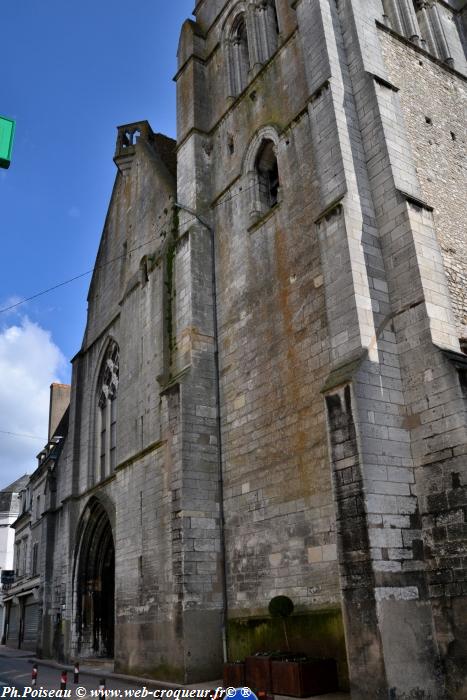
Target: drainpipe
point(203, 221)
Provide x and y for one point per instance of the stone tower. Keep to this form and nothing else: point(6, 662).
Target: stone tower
point(271, 394)
point(323, 142)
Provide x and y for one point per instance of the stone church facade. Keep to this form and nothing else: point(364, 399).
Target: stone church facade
point(271, 394)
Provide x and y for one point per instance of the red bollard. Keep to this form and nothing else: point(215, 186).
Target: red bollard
point(76, 673)
point(102, 688)
point(34, 675)
point(264, 695)
point(63, 680)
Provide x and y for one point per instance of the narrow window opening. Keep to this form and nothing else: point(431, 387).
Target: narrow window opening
point(267, 29)
point(25, 554)
point(463, 381)
point(113, 435)
point(17, 559)
point(106, 456)
point(275, 16)
point(268, 174)
point(103, 436)
point(240, 55)
point(144, 271)
point(35, 550)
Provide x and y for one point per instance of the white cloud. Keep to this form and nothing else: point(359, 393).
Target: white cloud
point(29, 362)
point(10, 306)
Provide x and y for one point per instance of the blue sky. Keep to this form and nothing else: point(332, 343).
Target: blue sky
point(74, 72)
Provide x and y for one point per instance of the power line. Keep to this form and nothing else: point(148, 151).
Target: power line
point(32, 437)
point(77, 277)
point(109, 262)
point(44, 291)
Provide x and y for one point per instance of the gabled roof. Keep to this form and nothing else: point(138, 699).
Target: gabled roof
point(17, 485)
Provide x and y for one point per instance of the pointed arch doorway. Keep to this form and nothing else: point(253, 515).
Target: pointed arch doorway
point(94, 598)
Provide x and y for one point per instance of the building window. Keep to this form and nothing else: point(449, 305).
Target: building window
point(262, 169)
point(239, 56)
point(24, 554)
point(35, 556)
point(17, 558)
point(267, 172)
point(433, 37)
point(113, 435)
point(421, 22)
point(268, 29)
point(107, 414)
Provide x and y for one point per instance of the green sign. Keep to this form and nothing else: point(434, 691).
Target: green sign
point(7, 131)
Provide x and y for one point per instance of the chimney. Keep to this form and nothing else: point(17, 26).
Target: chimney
point(59, 400)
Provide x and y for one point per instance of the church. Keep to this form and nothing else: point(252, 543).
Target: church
point(271, 393)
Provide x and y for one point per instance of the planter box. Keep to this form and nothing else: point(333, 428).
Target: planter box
point(234, 675)
point(258, 672)
point(302, 679)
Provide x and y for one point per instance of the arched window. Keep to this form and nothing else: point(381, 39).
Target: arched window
point(431, 26)
point(239, 55)
point(261, 167)
point(421, 22)
point(267, 173)
point(107, 413)
point(268, 29)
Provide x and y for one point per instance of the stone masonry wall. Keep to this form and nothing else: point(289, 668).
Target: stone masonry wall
point(273, 345)
point(273, 360)
point(128, 302)
point(434, 105)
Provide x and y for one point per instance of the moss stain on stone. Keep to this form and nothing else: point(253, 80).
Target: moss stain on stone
point(319, 634)
point(170, 286)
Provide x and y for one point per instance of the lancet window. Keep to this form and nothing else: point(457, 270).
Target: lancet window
point(239, 55)
point(107, 414)
point(421, 22)
point(267, 172)
point(432, 31)
point(267, 24)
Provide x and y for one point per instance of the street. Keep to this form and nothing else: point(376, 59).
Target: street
point(16, 668)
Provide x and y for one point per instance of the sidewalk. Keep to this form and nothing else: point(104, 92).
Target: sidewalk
point(105, 670)
point(9, 653)
point(18, 665)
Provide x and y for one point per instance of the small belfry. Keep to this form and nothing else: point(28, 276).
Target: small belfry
point(270, 398)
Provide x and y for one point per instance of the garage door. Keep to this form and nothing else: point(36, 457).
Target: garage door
point(31, 623)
